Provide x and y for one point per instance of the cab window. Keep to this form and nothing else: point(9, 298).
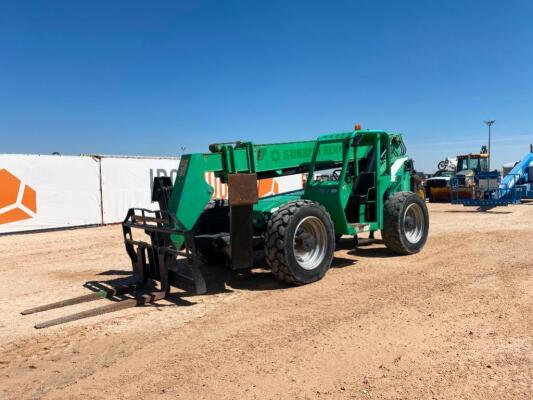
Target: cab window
point(474, 164)
point(462, 164)
point(484, 164)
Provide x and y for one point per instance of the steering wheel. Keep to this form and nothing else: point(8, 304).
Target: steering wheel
point(336, 174)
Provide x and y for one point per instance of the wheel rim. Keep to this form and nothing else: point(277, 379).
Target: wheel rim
point(310, 243)
point(413, 223)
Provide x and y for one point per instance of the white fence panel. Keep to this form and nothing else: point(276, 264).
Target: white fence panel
point(45, 192)
point(127, 183)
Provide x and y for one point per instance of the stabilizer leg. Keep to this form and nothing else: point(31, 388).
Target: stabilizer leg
point(140, 268)
point(198, 277)
point(194, 265)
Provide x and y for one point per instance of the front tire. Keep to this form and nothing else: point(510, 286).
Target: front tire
point(300, 242)
point(405, 223)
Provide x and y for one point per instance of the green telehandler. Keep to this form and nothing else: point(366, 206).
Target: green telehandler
point(295, 232)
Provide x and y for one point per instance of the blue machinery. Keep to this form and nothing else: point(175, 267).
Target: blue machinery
point(490, 190)
point(521, 176)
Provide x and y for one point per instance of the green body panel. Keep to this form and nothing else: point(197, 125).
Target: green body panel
point(333, 195)
point(191, 193)
point(267, 204)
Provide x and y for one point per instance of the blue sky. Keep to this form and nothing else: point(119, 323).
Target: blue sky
point(147, 78)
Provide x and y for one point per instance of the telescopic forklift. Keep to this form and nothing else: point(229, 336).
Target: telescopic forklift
point(296, 231)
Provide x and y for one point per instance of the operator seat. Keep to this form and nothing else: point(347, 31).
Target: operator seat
point(364, 189)
point(362, 185)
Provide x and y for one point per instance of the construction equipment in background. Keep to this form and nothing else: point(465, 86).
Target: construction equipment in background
point(457, 182)
point(469, 167)
point(520, 177)
point(438, 187)
point(294, 232)
point(491, 190)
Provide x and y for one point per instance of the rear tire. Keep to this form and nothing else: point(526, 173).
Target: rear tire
point(405, 223)
point(300, 242)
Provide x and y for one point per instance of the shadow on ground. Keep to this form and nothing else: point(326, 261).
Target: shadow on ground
point(115, 272)
point(219, 279)
point(372, 252)
point(477, 210)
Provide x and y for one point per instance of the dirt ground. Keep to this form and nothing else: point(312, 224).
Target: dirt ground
point(453, 322)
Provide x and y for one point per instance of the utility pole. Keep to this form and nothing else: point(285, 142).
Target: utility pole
point(489, 124)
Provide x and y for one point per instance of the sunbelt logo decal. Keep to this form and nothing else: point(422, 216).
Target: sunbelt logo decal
point(18, 201)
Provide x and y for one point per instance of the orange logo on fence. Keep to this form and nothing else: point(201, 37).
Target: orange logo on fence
point(265, 187)
point(18, 201)
point(268, 187)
